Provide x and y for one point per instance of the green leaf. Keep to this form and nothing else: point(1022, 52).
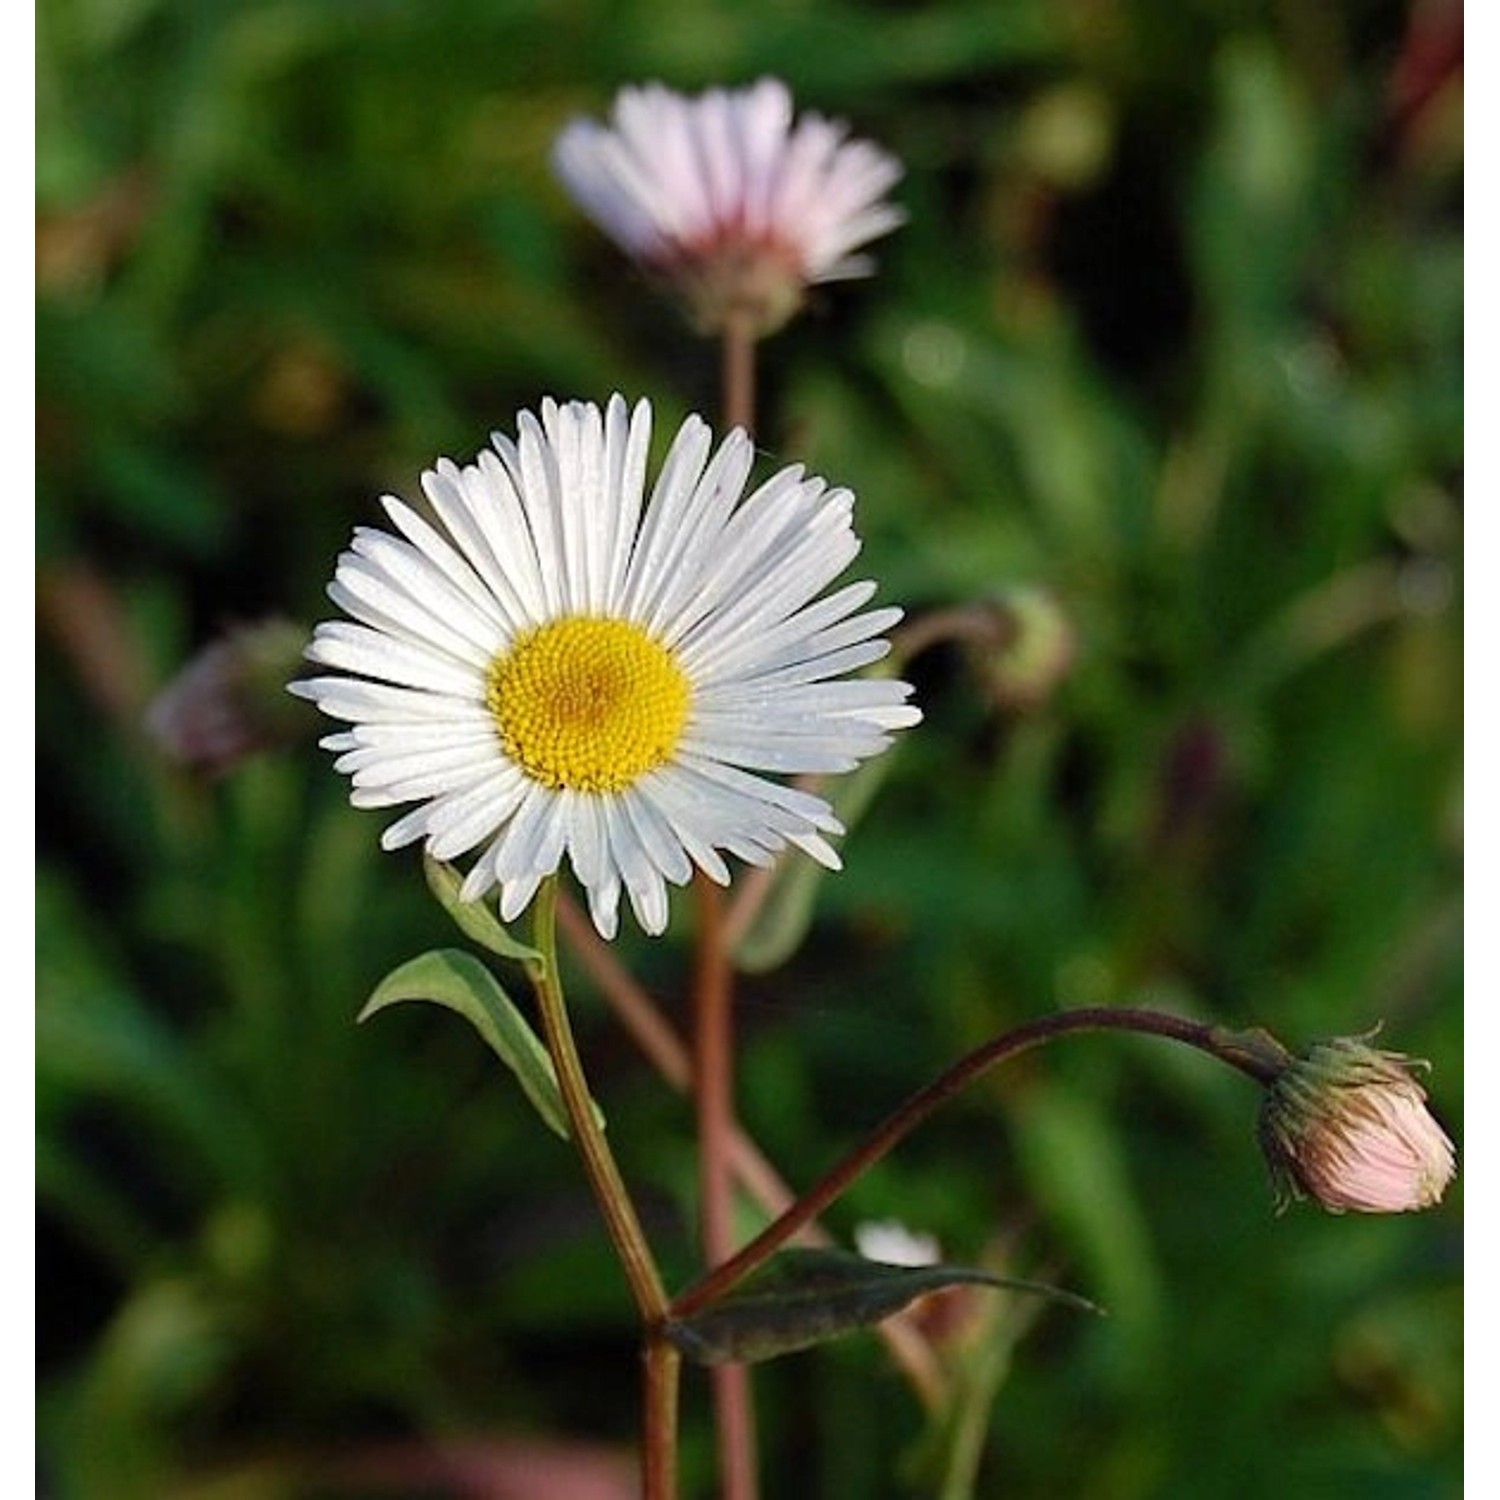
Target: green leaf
point(805, 1297)
point(474, 918)
point(457, 980)
point(787, 911)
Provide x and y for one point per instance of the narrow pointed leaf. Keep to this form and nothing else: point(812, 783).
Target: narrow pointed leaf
point(805, 1297)
point(460, 982)
point(474, 918)
point(787, 911)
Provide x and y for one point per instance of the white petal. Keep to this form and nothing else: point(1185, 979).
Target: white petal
point(366, 652)
point(532, 832)
point(655, 836)
point(516, 894)
point(604, 906)
point(680, 472)
point(672, 177)
point(587, 850)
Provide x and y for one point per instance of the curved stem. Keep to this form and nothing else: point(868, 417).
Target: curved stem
point(977, 624)
point(1255, 1053)
point(598, 1160)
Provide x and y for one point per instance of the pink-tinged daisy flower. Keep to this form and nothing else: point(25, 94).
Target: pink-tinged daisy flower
point(728, 200)
point(561, 667)
point(1349, 1125)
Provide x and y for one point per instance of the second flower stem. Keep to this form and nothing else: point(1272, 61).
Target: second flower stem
point(713, 1051)
point(1254, 1053)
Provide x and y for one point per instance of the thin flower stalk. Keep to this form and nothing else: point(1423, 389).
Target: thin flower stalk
point(599, 1163)
point(1254, 1053)
point(714, 1045)
point(661, 1364)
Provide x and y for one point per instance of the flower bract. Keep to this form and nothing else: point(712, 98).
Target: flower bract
point(555, 665)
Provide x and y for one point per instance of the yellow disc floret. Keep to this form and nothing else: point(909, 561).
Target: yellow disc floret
point(587, 704)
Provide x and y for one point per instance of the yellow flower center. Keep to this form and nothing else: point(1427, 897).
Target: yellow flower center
point(587, 704)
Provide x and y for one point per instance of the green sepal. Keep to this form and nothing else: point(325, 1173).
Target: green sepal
point(474, 918)
point(804, 1297)
point(461, 983)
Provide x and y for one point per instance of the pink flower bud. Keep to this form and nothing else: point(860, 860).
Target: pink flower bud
point(230, 700)
point(1348, 1124)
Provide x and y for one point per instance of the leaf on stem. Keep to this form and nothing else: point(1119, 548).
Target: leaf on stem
point(786, 913)
point(476, 921)
point(461, 983)
point(805, 1297)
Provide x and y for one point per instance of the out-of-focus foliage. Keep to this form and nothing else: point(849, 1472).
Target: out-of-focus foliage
point(1172, 335)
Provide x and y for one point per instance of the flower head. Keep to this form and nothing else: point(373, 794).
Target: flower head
point(562, 667)
point(728, 200)
point(1348, 1124)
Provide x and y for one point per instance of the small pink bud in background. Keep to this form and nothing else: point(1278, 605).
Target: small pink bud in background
point(1348, 1124)
point(230, 700)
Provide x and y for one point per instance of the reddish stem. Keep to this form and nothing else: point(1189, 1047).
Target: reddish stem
point(663, 1368)
point(1254, 1053)
point(713, 1043)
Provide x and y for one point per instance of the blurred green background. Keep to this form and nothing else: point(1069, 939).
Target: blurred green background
point(1171, 342)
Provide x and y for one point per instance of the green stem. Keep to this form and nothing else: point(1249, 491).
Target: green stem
point(598, 1161)
point(1253, 1052)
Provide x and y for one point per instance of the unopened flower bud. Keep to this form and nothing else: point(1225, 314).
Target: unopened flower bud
point(1348, 1124)
point(1033, 650)
point(230, 700)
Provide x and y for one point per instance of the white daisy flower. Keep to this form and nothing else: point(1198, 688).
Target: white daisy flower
point(891, 1243)
point(555, 669)
point(729, 200)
